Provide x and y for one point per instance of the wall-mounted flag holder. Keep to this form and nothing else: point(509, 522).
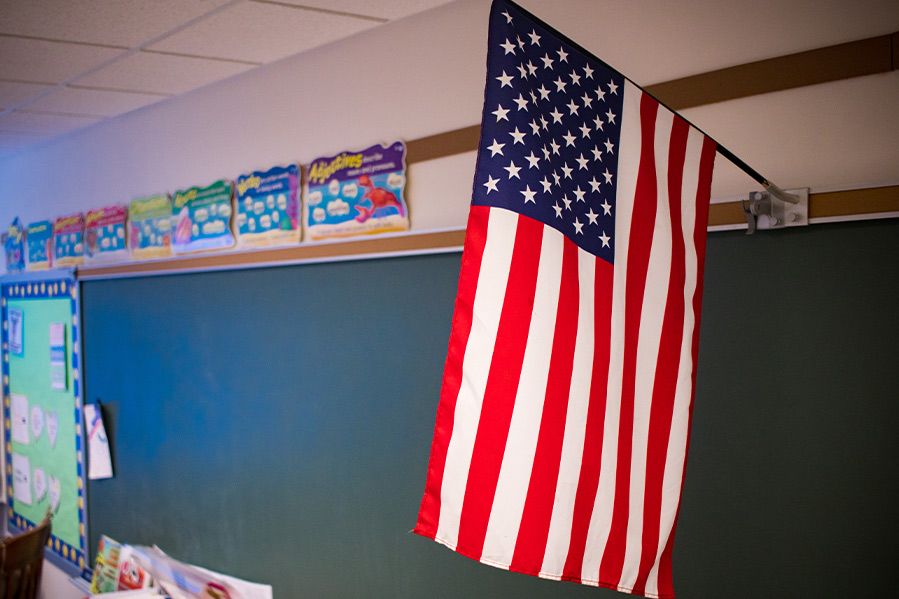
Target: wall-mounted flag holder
point(775, 208)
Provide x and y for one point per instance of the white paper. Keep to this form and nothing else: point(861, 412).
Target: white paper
point(16, 335)
point(19, 414)
point(52, 419)
point(55, 490)
point(40, 484)
point(57, 333)
point(99, 460)
point(58, 355)
point(37, 422)
point(21, 478)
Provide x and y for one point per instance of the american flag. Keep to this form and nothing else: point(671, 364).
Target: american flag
point(564, 416)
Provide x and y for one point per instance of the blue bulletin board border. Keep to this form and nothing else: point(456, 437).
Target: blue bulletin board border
point(54, 284)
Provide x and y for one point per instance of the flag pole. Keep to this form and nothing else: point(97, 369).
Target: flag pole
point(725, 153)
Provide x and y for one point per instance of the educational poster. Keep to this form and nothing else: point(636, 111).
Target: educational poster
point(39, 244)
point(68, 240)
point(14, 247)
point(44, 440)
point(357, 193)
point(203, 218)
point(151, 227)
point(268, 207)
point(105, 233)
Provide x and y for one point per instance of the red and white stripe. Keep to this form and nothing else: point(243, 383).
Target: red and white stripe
point(563, 421)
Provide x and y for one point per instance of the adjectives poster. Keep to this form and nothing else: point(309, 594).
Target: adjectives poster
point(39, 243)
point(68, 240)
point(357, 193)
point(151, 227)
point(14, 247)
point(268, 206)
point(105, 233)
point(203, 218)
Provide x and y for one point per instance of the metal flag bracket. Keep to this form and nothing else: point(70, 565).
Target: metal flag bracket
point(775, 208)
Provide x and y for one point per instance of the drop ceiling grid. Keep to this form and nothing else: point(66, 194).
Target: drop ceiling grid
point(68, 65)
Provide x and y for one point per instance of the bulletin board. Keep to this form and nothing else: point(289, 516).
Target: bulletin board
point(42, 409)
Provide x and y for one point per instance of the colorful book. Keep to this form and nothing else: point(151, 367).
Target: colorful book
point(268, 207)
point(105, 236)
point(68, 240)
point(357, 193)
point(151, 227)
point(39, 245)
point(105, 578)
point(203, 218)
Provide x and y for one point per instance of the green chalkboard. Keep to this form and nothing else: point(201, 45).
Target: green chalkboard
point(275, 424)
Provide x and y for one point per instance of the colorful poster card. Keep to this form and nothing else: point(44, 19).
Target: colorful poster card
point(16, 323)
point(357, 193)
point(58, 377)
point(106, 566)
point(14, 247)
point(105, 236)
point(39, 244)
point(151, 227)
point(268, 206)
point(203, 218)
point(68, 240)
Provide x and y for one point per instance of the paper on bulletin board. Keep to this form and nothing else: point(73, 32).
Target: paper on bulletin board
point(68, 240)
point(39, 245)
point(105, 233)
point(203, 218)
point(58, 355)
point(357, 193)
point(16, 319)
point(151, 227)
point(21, 478)
point(18, 412)
point(99, 460)
point(268, 206)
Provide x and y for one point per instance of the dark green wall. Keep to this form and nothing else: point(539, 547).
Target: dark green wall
point(275, 424)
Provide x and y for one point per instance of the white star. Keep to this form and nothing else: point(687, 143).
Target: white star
point(566, 171)
point(496, 148)
point(543, 123)
point(588, 72)
point(547, 61)
point(609, 146)
point(611, 116)
point(605, 239)
point(532, 159)
point(613, 88)
point(569, 139)
point(500, 113)
point(558, 210)
point(509, 47)
point(588, 101)
point(597, 153)
point(560, 85)
point(504, 80)
point(578, 225)
point(608, 176)
point(491, 184)
point(508, 16)
point(573, 107)
point(594, 185)
point(567, 202)
point(546, 184)
point(532, 69)
point(557, 116)
point(597, 122)
point(535, 127)
point(600, 94)
point(563, 55)
point(592, 216)
point(533, 97)
point(512, 170)
point(520, 43)
point(575, 78)
point(554, 146)
point(585, 131)
point(582, 162)
point(522, 72)
point(556, 178)
point(522, 103)
point(545, 151)
point(606, 207)
point(544, 93)
point(579, 193)
point(529, 195)
point(535, 39)
point(518, 136)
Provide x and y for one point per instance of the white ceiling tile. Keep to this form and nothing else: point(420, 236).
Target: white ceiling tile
point(92, 102)
point(48, 62)
point(161, 73)
point(119, 22)
point(12, 93)
point(261, 32)
point(43, 124)
point(386, 9)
